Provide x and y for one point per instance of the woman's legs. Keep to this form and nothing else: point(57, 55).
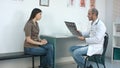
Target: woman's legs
point(49, 56)
point(46, 52)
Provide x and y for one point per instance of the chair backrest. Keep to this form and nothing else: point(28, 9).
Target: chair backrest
point(105, 43)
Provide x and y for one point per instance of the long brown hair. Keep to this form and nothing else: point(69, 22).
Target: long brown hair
point(34, 13)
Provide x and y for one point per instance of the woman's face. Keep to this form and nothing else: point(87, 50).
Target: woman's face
point(38, 16)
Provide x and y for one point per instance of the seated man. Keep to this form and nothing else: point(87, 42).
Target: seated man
point(94, 40)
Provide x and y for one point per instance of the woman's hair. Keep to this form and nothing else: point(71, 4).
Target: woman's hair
point(34, 12)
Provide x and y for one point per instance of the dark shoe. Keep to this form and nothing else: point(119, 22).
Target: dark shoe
point(90, 66)
point(45, 67)
point(41, 67)
point(48, 67)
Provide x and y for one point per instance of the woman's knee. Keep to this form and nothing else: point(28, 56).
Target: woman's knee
point(50, 46)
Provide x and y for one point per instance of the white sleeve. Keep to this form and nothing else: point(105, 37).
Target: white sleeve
point(99, 35)
point(85, 34)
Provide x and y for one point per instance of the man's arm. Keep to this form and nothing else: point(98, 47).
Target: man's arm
point(99, 34)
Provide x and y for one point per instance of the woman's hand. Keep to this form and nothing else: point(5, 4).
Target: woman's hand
point(43, 41)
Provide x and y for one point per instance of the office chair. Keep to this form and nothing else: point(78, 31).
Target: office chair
point(98, 58)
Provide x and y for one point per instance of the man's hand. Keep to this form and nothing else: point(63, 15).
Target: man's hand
point(81, 38)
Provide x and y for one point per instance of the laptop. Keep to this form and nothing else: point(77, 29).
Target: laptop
point(73, 29)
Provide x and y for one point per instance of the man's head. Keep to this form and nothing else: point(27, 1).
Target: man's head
point(92, 14)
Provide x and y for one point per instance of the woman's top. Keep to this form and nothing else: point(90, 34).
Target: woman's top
point(31, 30)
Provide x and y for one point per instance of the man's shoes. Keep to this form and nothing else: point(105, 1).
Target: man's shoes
point(41, 67)
point(90, 66)
point(48, 67)
point(45, 67)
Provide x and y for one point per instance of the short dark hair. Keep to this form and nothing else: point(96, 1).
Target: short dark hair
point(34, 12)
point(94, 11)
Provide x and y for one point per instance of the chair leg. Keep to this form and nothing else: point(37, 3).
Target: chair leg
point(96, 62)
point(104, 64)
point(85, 62)
point(32, 61)
point(77, 66)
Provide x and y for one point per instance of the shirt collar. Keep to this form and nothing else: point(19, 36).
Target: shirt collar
point(33, 22)
point(95, 22)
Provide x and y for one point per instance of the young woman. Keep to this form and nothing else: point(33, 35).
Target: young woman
point(33, 44)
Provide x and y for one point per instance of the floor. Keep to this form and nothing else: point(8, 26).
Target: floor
point(26, 63)
point(109, 64)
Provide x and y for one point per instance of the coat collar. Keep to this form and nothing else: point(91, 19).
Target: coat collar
point(95, 22)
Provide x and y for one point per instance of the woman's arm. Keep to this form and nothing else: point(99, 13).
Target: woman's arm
point(29, 40)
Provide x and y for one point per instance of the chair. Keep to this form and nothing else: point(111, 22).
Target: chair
point(33, 61)
point(98, 58)
point(33, 58)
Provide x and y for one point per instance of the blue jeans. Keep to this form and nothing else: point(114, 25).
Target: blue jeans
point(77, 53)
point(46, 52)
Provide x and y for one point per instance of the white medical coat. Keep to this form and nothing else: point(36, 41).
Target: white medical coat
point(96, 38)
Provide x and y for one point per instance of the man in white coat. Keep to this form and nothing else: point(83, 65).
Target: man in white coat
point(94, 39)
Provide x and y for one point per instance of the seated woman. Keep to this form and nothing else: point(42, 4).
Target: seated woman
point(34, 45)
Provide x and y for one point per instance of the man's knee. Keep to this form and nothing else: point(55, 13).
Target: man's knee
point(71, 49)
point(80, 51)
point(76, 53)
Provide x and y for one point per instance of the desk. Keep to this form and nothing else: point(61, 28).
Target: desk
point(62, 44)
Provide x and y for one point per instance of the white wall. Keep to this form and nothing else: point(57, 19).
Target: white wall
point(58, 12)
point(109, 24)
point(14, 14)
